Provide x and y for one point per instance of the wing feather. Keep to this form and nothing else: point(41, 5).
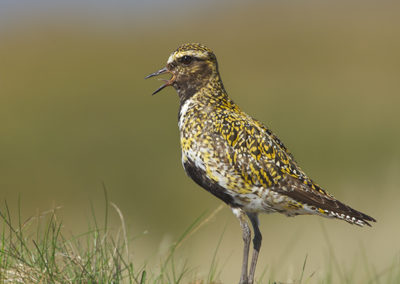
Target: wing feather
point(261, 159)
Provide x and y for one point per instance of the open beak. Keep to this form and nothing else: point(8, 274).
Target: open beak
point(167, 82)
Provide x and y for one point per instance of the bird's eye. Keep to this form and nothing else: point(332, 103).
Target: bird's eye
point(186, 59)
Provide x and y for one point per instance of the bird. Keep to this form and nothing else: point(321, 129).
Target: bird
point(238, 159)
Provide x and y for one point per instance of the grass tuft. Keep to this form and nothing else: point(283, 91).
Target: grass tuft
point(37, 251)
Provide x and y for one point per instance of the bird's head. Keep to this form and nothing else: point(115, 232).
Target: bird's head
point(192, 66)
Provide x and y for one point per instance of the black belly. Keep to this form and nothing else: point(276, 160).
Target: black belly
point(200, 177)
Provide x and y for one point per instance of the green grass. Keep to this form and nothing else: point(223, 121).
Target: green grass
point(37, 250)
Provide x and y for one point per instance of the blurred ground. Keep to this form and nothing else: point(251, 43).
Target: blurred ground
point(76, 112)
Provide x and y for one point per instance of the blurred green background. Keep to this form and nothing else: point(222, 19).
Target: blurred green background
point(75, 112)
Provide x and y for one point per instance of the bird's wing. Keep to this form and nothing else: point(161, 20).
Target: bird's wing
point(256, 153)
point(262, 160)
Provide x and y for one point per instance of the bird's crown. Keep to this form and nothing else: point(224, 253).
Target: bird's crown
point(193, 51)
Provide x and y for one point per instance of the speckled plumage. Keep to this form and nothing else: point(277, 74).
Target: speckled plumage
point(234, 156)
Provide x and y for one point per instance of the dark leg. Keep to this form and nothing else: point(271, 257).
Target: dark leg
point(256, 245)
point(239, 213)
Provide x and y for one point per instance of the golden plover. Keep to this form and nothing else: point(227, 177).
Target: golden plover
point(238, 159)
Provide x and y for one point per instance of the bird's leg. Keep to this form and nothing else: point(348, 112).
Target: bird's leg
point(256, 245)
point(239, 213)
